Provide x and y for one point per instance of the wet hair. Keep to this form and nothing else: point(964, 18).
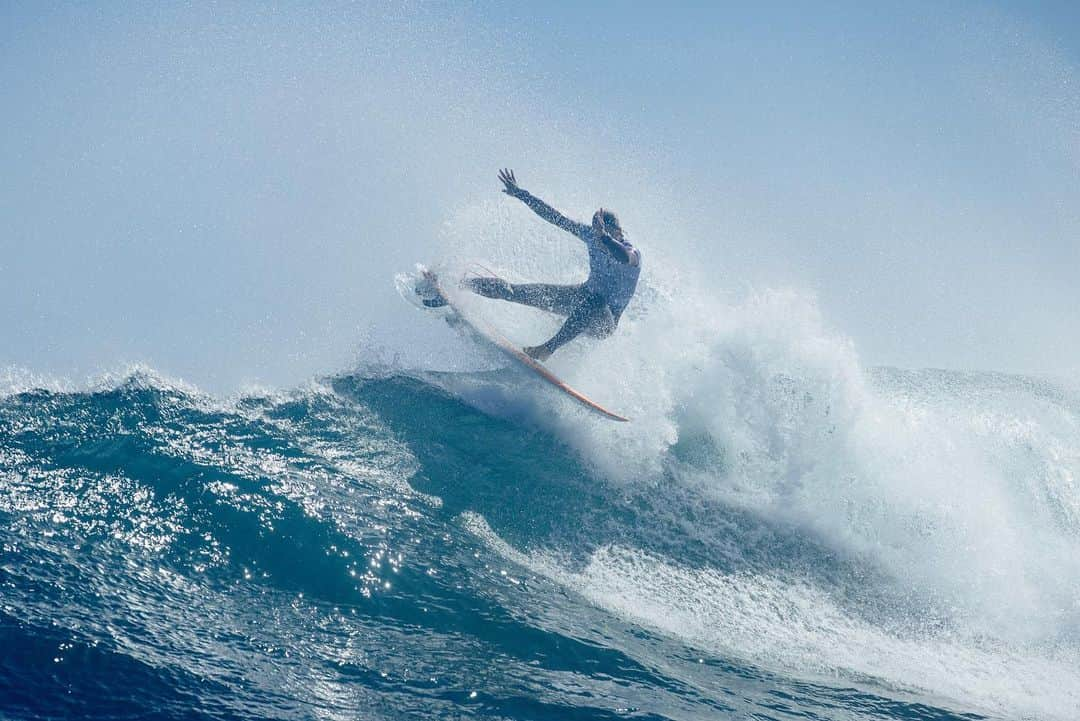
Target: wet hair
point(607, 221)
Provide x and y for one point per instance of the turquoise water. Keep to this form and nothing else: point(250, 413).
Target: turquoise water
point(378, 546)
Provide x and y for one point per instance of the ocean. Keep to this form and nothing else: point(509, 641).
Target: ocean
point(796, 540)
point(240, 479)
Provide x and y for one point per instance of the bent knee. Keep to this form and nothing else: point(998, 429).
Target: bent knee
point(602, 326)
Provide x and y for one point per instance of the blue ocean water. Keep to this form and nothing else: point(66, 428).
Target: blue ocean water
point(378, 545)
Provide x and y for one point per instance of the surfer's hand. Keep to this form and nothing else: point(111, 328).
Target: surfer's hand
point(507, 177)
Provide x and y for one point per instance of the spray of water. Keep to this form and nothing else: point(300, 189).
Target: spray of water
point(957, 490)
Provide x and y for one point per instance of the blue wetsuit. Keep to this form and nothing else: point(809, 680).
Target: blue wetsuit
point(593, 307)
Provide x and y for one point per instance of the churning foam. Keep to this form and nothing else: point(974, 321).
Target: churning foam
point(789, 625)
point(962, 488)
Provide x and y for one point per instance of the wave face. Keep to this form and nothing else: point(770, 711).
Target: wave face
point(795, 542)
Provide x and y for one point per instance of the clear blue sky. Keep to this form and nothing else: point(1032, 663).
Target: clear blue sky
point(224, 191)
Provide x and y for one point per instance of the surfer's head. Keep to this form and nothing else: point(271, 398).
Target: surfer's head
point(604, 221)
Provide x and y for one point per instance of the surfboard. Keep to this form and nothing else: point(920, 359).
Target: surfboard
point(486, 332)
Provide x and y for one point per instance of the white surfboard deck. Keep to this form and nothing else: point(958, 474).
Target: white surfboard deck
point(491, 335)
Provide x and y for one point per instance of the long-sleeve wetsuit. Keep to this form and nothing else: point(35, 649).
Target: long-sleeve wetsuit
point(593, 307)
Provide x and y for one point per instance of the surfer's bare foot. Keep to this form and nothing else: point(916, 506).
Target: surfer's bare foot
point(537, 352)
point(490, 287)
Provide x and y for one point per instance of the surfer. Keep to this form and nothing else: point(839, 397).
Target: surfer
point(593, 307)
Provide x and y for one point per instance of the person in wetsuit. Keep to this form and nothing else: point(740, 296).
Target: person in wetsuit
point(593, 307)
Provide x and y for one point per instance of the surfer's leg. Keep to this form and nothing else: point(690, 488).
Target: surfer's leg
point(592, 317)
point(490, 287)
point(561, 299)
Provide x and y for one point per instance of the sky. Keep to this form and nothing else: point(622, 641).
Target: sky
point(224, 191)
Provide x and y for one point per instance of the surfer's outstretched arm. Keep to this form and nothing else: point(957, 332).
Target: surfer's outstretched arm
point(541, 208)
